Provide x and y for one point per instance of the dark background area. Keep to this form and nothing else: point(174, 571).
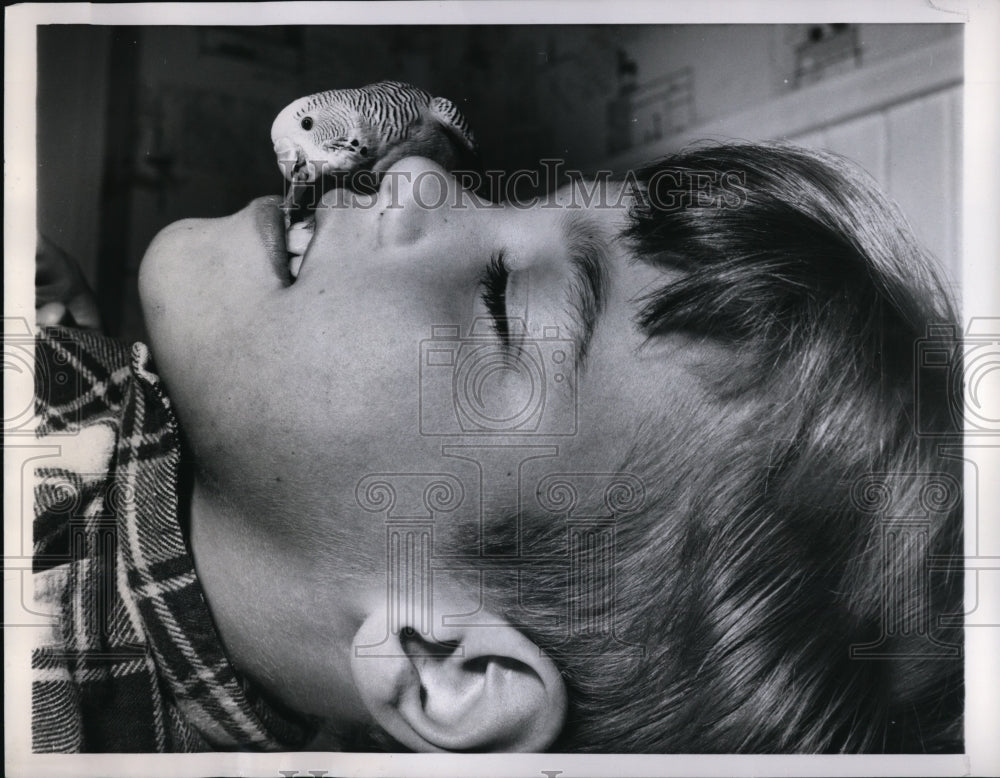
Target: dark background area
point(141, 126)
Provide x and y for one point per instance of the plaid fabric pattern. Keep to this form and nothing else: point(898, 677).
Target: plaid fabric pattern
point(131, 661)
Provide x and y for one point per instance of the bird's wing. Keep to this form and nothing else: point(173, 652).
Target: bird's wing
point(446, 112)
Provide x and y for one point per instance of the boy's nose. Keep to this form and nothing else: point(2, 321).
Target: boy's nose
point(416, 196)
point(416, 179)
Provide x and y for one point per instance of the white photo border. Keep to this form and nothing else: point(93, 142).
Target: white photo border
point(981, 297)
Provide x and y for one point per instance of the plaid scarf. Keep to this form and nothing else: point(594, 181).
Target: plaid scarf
point(131, 661)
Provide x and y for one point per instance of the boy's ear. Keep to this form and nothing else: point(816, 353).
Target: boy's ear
point(466, 688)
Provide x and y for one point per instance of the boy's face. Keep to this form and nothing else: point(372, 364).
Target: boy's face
point(290, 394)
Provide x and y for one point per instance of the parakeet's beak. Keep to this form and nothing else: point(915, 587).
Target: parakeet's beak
point(291, 160)
point(299, 197)
point(298, 171)
point(290, 157)
point(298, 226)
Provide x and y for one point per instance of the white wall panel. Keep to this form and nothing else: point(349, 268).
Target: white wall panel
point(921, 171)
point(900, 119)
point(957, 156)
point(813, 140)
point(862, 140)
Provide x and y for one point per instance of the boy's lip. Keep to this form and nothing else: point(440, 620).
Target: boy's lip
point(269, 221)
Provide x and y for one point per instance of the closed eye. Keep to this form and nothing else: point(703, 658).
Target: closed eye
point(494, 295)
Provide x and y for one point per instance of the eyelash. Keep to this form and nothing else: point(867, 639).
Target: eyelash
point(494, 294)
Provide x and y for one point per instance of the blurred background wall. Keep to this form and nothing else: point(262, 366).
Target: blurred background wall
point(140, 126)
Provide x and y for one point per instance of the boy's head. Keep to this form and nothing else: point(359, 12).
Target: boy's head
point(653, 450)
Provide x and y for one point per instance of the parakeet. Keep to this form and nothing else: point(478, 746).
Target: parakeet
point(343, 131)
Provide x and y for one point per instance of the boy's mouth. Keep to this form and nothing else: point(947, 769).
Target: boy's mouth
point(272, 229)
point(300, 223)
point(298, 236)
point(299, 207)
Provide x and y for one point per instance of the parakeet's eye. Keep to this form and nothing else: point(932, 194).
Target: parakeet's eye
point(307, 123)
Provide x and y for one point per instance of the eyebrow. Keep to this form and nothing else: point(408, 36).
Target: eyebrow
point(588, 253)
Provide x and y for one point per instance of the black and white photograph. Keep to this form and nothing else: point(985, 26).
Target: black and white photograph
point(505, 388)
